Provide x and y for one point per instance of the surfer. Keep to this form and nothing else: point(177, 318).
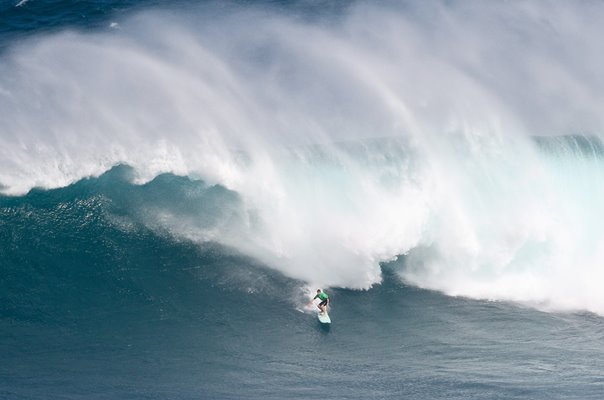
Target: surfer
point(324, 300)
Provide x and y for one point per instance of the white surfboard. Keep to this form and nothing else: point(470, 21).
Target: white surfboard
point(324, 318)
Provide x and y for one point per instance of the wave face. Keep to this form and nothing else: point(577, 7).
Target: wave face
point(73, 255)
point(338, 141)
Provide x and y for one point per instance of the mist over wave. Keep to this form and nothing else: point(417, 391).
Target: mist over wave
point(387, 131)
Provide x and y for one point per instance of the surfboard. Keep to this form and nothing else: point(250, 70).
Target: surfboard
point(324, 318)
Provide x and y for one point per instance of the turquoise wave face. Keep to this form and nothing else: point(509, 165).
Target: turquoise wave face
point(72, 253)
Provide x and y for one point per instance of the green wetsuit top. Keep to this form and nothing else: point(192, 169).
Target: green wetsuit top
point(322, 296)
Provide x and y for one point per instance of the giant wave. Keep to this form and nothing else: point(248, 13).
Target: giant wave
point(339, 144)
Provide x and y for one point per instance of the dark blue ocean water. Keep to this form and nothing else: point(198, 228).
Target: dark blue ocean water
point(96, 303)
point(21, 19)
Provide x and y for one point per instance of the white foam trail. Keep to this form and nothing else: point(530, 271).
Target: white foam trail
point(241, 99)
